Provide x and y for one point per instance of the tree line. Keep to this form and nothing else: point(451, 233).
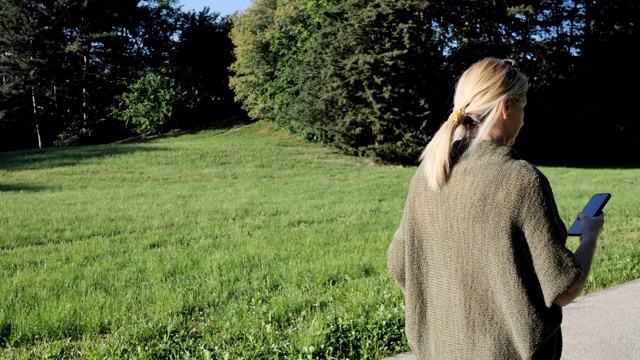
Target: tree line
point(371, 78)
point(76, 72)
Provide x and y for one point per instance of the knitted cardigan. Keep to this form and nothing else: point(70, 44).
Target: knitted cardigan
point(481, 260)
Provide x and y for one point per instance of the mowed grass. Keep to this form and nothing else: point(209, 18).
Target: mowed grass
point(243, 243)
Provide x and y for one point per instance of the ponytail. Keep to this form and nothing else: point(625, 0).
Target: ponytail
point(479, 93)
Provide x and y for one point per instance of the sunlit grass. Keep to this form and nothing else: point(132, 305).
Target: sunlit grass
point(239, 244)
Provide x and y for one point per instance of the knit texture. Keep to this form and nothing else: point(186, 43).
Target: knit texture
point(481, 261)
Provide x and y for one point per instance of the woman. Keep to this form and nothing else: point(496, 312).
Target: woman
point(480, 252)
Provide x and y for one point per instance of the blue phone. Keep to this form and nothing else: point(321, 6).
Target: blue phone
point(593, 208)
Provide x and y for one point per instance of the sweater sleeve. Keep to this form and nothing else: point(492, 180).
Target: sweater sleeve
point(395, 258)
point(556, 267)
point(396, 254)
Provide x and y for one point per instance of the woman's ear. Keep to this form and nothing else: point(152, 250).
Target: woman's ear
point(506, 104)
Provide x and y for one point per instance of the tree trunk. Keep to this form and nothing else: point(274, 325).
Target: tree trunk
point(35, 117)
point(84, 90)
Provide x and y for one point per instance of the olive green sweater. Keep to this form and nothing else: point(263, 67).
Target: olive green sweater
point(481, 261)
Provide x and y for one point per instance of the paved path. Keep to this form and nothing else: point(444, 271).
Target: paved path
point(604, 325)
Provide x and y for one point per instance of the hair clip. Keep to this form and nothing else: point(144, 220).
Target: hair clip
point(511, 63)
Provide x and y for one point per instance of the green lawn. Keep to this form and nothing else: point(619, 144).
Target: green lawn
point(229, 244)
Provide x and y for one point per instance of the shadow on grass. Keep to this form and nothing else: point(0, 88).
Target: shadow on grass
point(65, 156)
point(23, 188)
point(49, 158)
point(223, 126)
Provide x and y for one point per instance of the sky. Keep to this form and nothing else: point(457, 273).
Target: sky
point(224, 7)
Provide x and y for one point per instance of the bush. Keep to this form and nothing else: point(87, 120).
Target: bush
point(148, 106)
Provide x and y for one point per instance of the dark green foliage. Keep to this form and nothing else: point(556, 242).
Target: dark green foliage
point(160, 23)
point(77, 52)
point(583, 84)
point(269, 41)
point(148, 106)
point(364, 81)
point(19, 70)
point(372, 78)
point(63, 64)
point(200, 65)
point(605, 85)
point(376, 78)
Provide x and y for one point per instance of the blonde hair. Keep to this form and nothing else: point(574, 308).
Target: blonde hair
point(479, 94)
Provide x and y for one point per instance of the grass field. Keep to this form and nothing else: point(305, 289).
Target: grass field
point(241, 243)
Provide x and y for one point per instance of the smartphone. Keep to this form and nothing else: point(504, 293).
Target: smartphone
point(593, 208)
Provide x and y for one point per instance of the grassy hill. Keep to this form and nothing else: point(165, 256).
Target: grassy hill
point(238, 243)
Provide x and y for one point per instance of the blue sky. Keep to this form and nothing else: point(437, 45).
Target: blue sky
point(224, 7)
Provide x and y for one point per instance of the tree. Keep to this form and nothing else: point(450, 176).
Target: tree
point(86, 66)
point(603, 83)
point(201, 62)
point(254, 68)
point(80, 53)
point(148, 106)
point(20, 67)
point(364, 79)
point(75, 51)
point(269, 39)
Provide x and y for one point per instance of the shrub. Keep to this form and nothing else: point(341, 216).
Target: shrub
point(148, 105)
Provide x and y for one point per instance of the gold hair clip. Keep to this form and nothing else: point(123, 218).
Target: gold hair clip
point(457, 116)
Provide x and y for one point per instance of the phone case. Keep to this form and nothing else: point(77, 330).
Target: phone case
point(593, 208)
